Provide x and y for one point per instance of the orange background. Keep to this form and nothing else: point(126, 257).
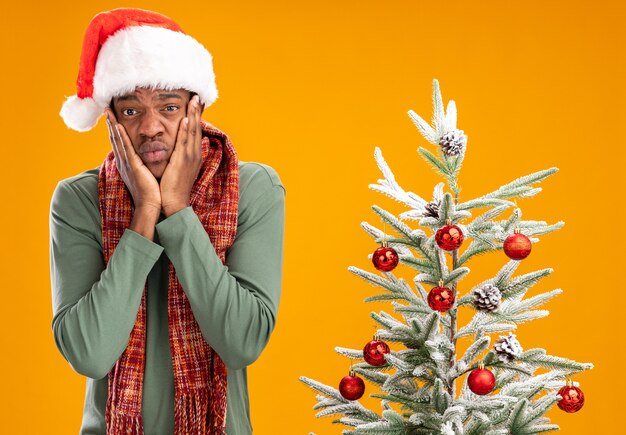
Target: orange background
point(311, 88)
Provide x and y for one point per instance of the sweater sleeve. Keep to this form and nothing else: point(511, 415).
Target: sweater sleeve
point(94, 308)
point(234, 304)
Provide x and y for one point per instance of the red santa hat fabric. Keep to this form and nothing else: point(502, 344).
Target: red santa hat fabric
point(127, 48)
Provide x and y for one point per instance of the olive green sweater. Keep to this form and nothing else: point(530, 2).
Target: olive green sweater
point(95, 307)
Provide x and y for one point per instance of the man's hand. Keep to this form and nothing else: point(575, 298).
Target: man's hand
point(140, 182)
point(185, 163)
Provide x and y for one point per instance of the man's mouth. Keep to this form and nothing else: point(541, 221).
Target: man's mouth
point(153, 152)
point(154, 156)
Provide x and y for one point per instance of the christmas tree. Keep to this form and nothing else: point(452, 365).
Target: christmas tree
point(505, 390)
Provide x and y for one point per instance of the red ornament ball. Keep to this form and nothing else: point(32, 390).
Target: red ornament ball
point(374, 352)
point(481, 381)
point(441, 299)
point(572, 399)
point(352, 387)
point(385, 258)
point(449, 237)
point(517, 246)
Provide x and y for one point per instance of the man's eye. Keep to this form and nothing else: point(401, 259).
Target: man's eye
point(171, 108)
point(129, 112)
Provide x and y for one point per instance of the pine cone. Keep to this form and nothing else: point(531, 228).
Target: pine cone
point(487, 297)
point(432, 210)
point(508, 348)
point(453, 143)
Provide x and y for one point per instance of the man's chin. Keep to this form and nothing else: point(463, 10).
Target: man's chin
point(157, 170)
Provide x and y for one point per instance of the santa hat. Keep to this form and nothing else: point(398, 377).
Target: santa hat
point(129, 48)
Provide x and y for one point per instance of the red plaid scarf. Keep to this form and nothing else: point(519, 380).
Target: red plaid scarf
point(200, 377)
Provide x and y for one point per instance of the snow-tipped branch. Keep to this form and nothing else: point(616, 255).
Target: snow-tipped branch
point(389, 187)
point(511, 312)
point(397, 288)
point(538, 358)
point(443, 167)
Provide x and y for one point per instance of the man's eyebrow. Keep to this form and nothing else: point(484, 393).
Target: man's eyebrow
point(163, 96)
point(168, 96)
point(127, 97)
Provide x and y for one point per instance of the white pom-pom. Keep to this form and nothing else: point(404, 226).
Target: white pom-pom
point(80, 114)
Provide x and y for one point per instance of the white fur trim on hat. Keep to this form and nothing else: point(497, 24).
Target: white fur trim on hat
point(143, 56)
point(81, 114)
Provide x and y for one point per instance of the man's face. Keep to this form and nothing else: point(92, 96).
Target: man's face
point(151, 118)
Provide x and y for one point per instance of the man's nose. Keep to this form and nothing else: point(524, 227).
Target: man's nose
point(151, 124)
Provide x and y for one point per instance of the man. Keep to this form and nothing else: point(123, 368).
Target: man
point(166, 259)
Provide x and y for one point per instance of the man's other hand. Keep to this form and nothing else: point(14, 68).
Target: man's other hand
point(185, 163)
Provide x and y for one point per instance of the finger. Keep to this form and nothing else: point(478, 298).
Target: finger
point(112, 139)
point(193, 112)
point(198, 116)
point(110, 115)
point(128, 146)
point(118, 127)
point(181, 139)
point(197, 142)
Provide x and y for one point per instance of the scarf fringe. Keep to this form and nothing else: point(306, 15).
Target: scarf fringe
point(120, 424)
point(191, 413)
